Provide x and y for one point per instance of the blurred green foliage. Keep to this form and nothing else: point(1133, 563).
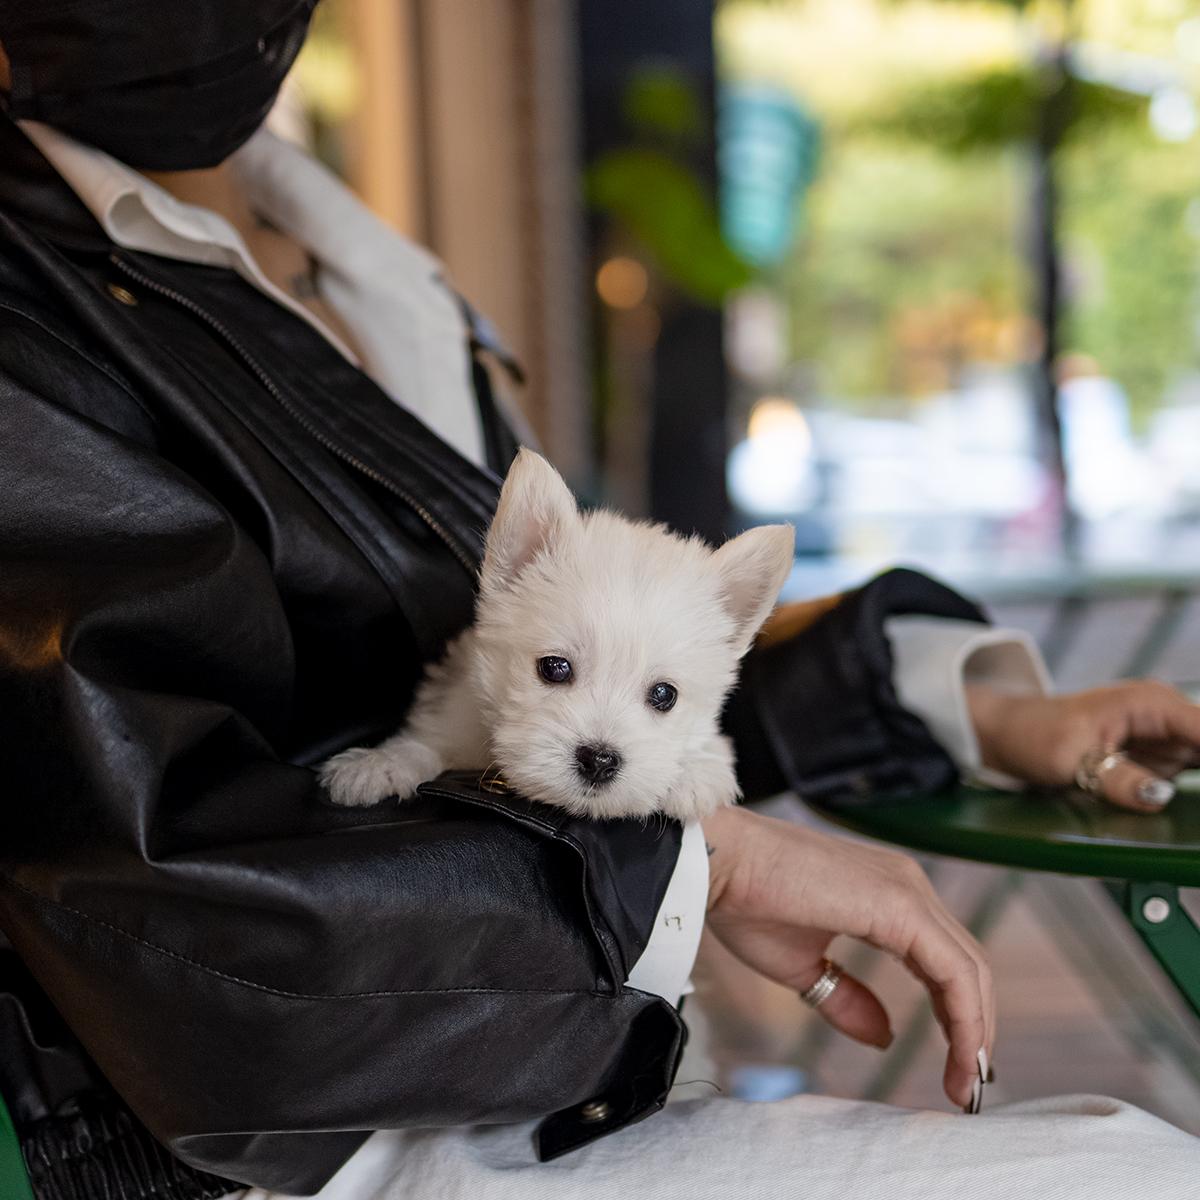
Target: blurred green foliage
point(651, 187)
point(896, 228)
point(924, 201)
point(930, 201)
point(1008, 105)
point(1131, 262)
point(664, 206)
point(660, 100)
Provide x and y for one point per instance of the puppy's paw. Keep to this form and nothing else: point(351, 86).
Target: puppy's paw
point(708, 784)
point(695, 806)
point(362, 776)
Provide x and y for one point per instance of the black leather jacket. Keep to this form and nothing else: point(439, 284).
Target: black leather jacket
point(225, 555)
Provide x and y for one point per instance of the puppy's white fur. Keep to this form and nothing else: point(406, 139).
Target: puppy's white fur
point(629, 605)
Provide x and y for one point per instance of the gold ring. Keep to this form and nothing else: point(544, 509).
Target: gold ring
point(1095, 764)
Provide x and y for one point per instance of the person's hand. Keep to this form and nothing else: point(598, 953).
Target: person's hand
point(779, 894)
point(1041, 739)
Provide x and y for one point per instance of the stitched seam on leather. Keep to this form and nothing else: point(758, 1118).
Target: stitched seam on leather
point(262, 987)
point(398, 445)
point(610, 944)
point(358, 533)
point(99, 366)
point(285, 455)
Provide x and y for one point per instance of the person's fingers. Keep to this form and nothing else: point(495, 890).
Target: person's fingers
point(780, 920)
point(1042, 738)
point(975, 965)
point(853, 1009)
point(1131, 785)
point(959, 1004)
point(1165, 757)
point(1150, 720)
point(959, 984)
point(1165, 712)
point(952, 965)
point(941, 952)
point(983, 977)
point(956, 975)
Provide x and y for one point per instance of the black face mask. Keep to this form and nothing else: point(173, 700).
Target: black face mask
point(164, 85)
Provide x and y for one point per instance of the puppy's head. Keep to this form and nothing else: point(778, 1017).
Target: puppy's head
point(607, 647)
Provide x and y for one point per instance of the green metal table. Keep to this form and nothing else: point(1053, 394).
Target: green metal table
point(1144, 859)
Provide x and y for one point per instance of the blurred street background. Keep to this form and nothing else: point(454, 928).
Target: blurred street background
point(921, 277)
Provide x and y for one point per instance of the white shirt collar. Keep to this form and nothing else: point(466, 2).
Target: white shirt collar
point(390, 292)
point(138, 214)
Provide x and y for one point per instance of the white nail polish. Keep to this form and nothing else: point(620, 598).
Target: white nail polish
point(1156, 791)
point(983, 1065)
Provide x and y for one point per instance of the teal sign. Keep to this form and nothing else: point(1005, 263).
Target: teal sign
point(766, 158)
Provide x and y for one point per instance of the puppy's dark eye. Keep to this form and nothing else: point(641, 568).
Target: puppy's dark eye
point(662, 696)
point(554, 669)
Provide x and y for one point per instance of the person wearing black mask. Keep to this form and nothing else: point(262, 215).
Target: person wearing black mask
point(247, 459)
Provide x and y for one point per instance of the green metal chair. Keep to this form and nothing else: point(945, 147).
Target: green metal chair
point(14, 1181)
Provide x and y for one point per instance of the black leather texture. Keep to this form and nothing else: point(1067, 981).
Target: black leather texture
point(833, 681)
point(225, 553)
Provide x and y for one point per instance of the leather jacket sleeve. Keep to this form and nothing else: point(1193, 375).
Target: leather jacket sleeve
point(264, 978)
point(817, 712)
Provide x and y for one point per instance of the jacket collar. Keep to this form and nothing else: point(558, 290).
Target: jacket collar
point(36, 194)
point(392, 293)
point(46, 215)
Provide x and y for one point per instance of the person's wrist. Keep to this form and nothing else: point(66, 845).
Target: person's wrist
point(988, 710)
point(723, 833)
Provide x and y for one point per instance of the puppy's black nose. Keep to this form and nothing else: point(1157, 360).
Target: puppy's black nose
point(597, 764)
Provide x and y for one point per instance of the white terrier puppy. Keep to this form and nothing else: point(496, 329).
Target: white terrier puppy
point(595, 672)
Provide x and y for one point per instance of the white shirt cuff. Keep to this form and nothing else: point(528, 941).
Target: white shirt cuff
point(934, 658)
point(665, 966)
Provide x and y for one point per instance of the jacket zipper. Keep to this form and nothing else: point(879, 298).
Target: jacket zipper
point(288, 407)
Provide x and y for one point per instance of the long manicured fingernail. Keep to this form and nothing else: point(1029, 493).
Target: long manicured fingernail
point(976, 1098)
point(984, 1070)
point(1156, 791)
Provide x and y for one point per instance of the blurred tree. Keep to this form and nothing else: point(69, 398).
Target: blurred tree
point(1021, 104)
point(924, 191)
point(662, 203)
point(1042, 105)
point(1132, 261)
point(326, 77)
point(900, 228)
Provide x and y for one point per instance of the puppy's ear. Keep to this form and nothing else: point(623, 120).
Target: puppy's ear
point(752, 568)
point(536, 509)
